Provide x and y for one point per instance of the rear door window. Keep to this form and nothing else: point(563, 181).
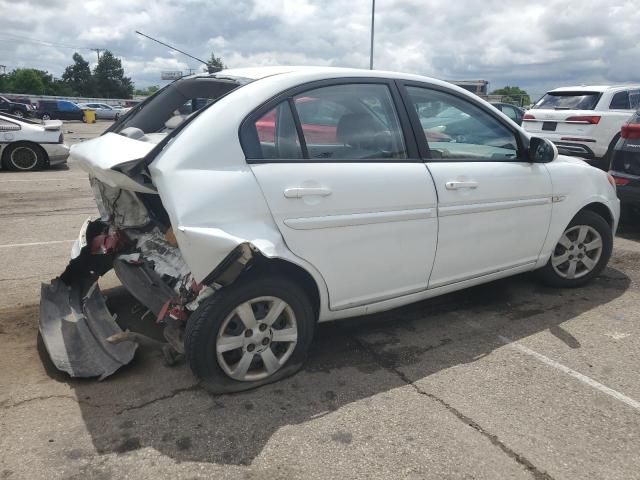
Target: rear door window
point(354, 121)
point(568, 101)
point(620, 101)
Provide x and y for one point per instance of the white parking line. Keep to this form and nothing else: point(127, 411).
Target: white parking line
point(36, 179)
point(583, 378)
point(33, 244)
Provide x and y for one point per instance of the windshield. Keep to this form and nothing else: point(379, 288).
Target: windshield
point(569, 101)
point(172, 105)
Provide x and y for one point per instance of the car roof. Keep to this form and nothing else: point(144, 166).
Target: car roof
point(593, 88)
point(310, 73)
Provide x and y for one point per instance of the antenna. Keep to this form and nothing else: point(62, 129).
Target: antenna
point(209, 67)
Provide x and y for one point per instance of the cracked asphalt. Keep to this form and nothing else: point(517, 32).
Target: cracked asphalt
point(507, 380)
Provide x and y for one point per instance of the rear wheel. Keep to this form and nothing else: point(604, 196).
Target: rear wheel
point(23, 157)
point(581, 253)
point(249, 334)
point(46, 116)
point(17, 113)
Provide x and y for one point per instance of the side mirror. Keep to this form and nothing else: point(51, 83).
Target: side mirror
point(542, 150)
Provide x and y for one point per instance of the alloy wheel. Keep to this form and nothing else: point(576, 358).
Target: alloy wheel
point(578, 252)
point(256, 339)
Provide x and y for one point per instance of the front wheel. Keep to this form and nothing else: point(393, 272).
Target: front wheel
point(581, 253)
point(17, 113)
point(251, 333)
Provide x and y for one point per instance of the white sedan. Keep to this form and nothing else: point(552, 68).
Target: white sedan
point(30, 145)
point(303, 195)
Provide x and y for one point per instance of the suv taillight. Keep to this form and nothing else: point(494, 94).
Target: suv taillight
point(630, 131)
point(592, 119)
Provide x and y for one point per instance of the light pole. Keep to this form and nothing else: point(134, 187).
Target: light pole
point(373, 16)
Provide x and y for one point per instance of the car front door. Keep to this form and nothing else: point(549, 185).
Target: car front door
point(4, 105)
point(349, 193)
point(494, 206)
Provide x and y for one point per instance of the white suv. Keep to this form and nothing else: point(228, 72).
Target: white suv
point(584, 121)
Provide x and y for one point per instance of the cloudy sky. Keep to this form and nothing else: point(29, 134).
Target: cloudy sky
point(534, 44)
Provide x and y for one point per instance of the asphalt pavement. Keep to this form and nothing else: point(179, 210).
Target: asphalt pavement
point(507, 380)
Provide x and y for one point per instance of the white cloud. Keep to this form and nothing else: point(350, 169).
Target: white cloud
point(535, 44)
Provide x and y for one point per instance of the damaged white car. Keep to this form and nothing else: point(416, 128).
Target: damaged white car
point(301, 195)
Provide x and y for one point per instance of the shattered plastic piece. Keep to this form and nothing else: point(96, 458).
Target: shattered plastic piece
point(75, 329)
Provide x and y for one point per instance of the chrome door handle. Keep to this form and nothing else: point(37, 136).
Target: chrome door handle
point(299, 192)
point(458, 185)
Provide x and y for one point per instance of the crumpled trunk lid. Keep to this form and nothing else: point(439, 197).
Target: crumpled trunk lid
point(108, 157)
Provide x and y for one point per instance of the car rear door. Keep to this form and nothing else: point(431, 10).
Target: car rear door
point(347, 188)
point(494, 206)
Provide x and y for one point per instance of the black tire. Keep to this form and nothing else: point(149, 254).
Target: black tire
point(548, 273)
point(24, 157)
point(46, 116)
point(205, 323)
point(608, 158)
point(117, 117)
point(17, 113)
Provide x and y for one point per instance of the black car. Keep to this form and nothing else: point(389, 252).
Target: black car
point(59, 110)
point(625, 163)
point(14, 108)
point(511, 111)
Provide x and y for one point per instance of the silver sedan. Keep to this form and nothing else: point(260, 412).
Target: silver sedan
point(104, 111)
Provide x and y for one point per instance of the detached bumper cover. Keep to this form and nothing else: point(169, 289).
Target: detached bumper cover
point(75, 325)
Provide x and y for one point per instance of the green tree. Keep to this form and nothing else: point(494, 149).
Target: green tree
point(109, 78)
point(27, 80)
point(214, 64)
point(78, 78)
point(513, 95)
point(146, 92)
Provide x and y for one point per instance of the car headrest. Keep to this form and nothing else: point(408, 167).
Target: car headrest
point(358, 130)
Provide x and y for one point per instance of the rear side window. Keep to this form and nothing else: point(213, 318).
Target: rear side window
point(627, 100)
point(337, 122)
point(277, 134)
point(356, 121)
point(620, 101)
point(569, 101)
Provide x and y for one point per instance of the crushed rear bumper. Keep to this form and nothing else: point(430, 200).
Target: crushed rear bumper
point(75, 326)
point(75, 322)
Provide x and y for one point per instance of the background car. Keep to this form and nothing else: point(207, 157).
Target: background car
point(625, 164)
point(27, 145)
point(16, 109)
point(104, 111)
point(511, 111)
point(584, 121)
point(59, 110)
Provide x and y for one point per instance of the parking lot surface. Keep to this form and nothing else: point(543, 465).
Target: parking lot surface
point(507, 380)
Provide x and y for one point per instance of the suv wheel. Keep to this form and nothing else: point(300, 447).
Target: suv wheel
point(17, 113)
point(46, 116)
point(251, 333)
point(581, 253)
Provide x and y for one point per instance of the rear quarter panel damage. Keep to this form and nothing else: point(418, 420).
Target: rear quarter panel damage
point(213, 199)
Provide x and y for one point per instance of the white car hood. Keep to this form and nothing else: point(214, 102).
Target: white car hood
point(100, 155)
